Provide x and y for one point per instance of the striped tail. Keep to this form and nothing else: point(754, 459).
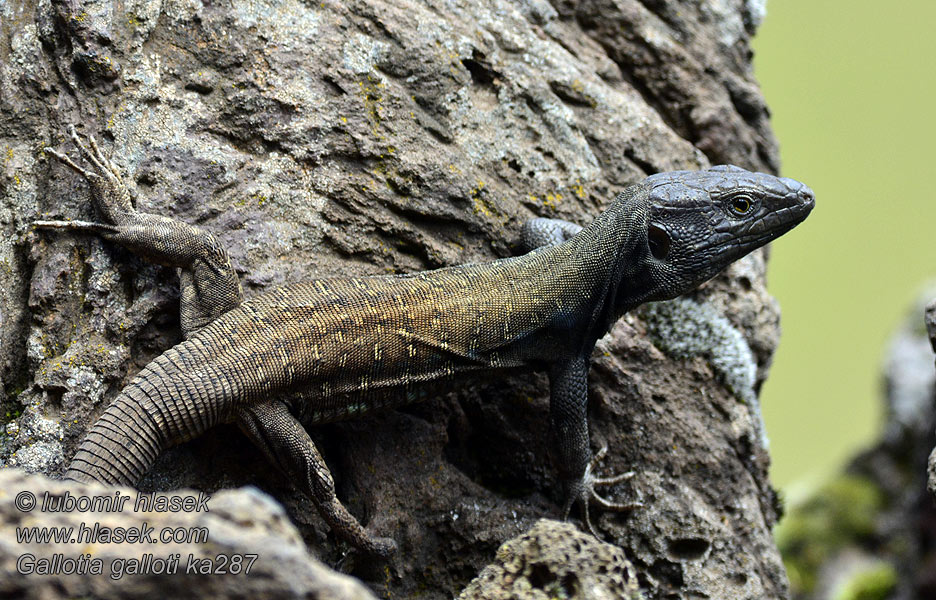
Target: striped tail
point(162, 406)
point(121, 446)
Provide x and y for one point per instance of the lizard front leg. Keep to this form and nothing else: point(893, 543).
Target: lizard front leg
point(568, 412)
point(540, 232)
point(287, 444)
point(209, 284)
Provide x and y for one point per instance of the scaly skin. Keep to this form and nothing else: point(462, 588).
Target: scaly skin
point(333, 349)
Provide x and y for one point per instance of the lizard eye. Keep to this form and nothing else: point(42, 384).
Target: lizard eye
point(659, 242)
point(741, 205)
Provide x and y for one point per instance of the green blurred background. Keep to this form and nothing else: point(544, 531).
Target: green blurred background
point(850, 86)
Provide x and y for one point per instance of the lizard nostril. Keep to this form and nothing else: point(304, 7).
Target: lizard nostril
point(809, 197)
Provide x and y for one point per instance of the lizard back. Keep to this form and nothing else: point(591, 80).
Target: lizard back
point(330, 341)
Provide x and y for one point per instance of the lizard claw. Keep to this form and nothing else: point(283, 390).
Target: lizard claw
point(93, 154)
point(112, 196)
point(602, 481)
point(584, 492)
point(64, 159)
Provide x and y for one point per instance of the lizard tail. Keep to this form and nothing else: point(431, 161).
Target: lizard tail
point(121, 445)
point(162, 406)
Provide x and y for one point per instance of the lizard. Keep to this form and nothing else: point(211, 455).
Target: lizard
point(337, 348)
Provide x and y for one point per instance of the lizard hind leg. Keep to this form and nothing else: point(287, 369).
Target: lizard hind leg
point(273, 429)
point(210, 286)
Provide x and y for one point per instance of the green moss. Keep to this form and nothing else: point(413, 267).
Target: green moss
point(874, 583)
point(840, 514)
point(12, 409)
point(12, 414)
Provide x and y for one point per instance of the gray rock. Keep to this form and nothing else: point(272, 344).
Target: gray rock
point(368, 136)
point(236, 531)
point(555, 560)
point(909, 373)
point(929, 320)
point(685, 329)
point(931, 473)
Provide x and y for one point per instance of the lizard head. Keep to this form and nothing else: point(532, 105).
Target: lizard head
point(699, 222)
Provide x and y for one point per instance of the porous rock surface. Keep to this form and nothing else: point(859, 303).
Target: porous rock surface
point(359, 137)
point(555, 560)
point(242, 523)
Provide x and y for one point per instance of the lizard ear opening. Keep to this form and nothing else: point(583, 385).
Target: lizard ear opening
point(659, 242)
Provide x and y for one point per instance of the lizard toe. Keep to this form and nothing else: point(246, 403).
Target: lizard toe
point(382, 547)
point(583, 492)
point(614, 506)
point(605, 481)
